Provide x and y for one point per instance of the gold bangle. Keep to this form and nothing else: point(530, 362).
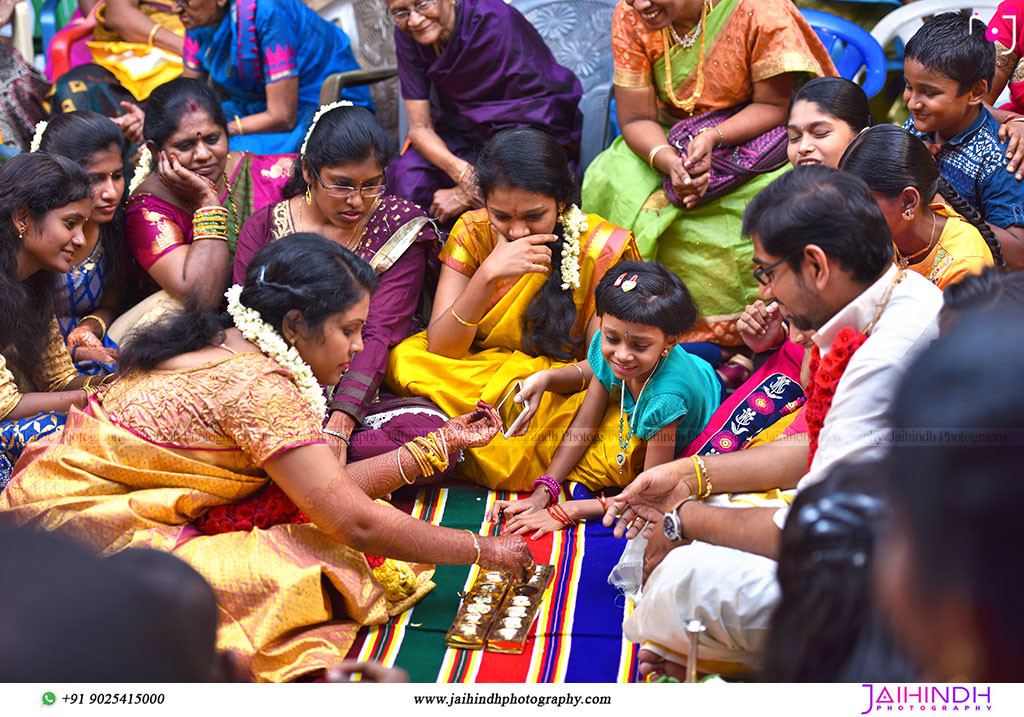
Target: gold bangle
point(721, 136)
point(702, 471)
point(582, 375)
point(463, 173)
point(98, 320)
point(152, 34)
point(654, 153)
point(1018, 118)
point(462, 320)
point(476, 544)
point(90, 390)
point(401, 471)
point(238, 124)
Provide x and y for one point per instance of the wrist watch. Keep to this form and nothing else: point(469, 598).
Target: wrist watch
point(672, 524)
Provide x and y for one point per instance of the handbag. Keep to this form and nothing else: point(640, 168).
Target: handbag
point(730, 166)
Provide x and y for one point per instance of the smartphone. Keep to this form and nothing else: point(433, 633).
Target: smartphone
point(511, 412)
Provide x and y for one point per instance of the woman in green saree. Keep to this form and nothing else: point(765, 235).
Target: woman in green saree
point(722, 54)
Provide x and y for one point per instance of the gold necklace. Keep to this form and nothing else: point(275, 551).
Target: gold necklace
point(690, 102)
point(904, 261)
point(620, 457)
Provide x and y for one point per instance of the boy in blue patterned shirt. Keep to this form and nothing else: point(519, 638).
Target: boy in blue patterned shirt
point(948, 69)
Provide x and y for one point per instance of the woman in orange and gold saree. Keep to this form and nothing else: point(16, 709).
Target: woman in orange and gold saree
point(211, 447)
point(516, 296)
point(742, 55)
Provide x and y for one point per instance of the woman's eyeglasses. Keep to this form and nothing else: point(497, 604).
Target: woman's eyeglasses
point(400, 17)
point(343, 191)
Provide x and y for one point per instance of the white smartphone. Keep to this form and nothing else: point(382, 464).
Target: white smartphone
point(511, 412)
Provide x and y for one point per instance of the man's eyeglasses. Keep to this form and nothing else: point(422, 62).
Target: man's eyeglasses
point(400, 17)
point(764, 273)
point(343, 191)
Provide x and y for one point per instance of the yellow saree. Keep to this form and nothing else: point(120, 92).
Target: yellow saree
point(497, 358)
point(161, 450)
point(139, 67)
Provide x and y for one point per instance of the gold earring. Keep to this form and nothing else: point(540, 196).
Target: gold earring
point(309, 195)
point(21, 233)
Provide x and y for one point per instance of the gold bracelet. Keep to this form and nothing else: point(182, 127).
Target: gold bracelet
point(421, 460)
point(463, 173)
point(702, 468)
point(238, 124)
point(401, 471)
point(721, 136)
point(152, 34)
point(654, 153)
point(90, 390)
point(1018, 118)
point(476, 544)
point(98, 320)
point(582, 375)
point(462, 320)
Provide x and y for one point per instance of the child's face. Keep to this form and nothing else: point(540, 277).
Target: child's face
point(934, 102)
point(632, 350)
point(816, 137)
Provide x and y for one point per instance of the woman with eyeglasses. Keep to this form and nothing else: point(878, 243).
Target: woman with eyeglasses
point(337, 190)
point(271, 57)
point(190, 197)
point(448, 53)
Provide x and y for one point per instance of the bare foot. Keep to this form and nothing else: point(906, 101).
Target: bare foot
point(651, 663)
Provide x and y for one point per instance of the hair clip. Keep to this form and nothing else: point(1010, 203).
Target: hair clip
point(618, 282)
point(629, 284)
point(262, 275)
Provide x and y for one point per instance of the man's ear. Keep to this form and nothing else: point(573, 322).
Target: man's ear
point(815, 268)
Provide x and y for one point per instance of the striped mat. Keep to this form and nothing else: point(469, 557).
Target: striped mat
point(577, 636)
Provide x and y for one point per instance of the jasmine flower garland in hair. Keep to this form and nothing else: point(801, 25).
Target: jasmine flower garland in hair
point(316, 118)
point(142, 169)
point(259, 332)
point(575, 223)
point(37, 138)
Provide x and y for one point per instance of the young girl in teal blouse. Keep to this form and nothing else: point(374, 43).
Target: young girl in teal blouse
point(667, 399)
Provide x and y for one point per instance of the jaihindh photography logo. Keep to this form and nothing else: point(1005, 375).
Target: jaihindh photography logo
point(921, 698)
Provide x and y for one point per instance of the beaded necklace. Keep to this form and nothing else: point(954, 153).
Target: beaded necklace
point(624, 440)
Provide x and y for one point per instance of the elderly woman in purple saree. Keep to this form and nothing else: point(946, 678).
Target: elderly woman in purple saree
point(469, 69)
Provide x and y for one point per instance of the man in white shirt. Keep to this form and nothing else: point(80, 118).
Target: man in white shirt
point(824, 253)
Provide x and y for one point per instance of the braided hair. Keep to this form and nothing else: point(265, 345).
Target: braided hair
point(890, 159)
point(532, 160)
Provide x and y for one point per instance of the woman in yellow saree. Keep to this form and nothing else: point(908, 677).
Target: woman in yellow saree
point(174, 455)
point(516, 296)
point(722, 54)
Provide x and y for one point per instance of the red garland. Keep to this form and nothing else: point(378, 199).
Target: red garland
point(825, 375)
point(268, 507)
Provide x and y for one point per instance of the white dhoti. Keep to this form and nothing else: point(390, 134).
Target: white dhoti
point(731, 591)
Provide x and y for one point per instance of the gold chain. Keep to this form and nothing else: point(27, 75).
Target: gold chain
point(690, 102)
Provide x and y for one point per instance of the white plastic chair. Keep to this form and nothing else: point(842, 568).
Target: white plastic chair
point(905, 21)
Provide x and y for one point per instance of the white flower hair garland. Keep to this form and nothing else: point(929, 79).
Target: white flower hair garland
point(574, 222)
point(142, 169)
point(258, 331)
point(37, 138)
point(324, 109)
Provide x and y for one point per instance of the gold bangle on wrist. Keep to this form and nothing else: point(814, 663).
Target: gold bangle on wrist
point(462, 320)
point(98, 320)
point(476, 544)
point(654, 153)
point(238, 124)
point(152, 34)
point(582, 375)
point(702, 473)
point(401, 470)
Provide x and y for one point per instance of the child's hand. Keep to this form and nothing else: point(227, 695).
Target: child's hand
point(538, 522)
point(760, 326)
point(538, 500)
point(534, 387)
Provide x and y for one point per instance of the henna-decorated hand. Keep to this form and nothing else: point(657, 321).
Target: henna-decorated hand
point(82, 336)
point(472, 430)
point(507, 553)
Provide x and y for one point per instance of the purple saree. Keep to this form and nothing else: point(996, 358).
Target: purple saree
point(495, 73)
point(401, 245)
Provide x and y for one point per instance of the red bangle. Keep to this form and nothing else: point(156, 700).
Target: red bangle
point(559, 514)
